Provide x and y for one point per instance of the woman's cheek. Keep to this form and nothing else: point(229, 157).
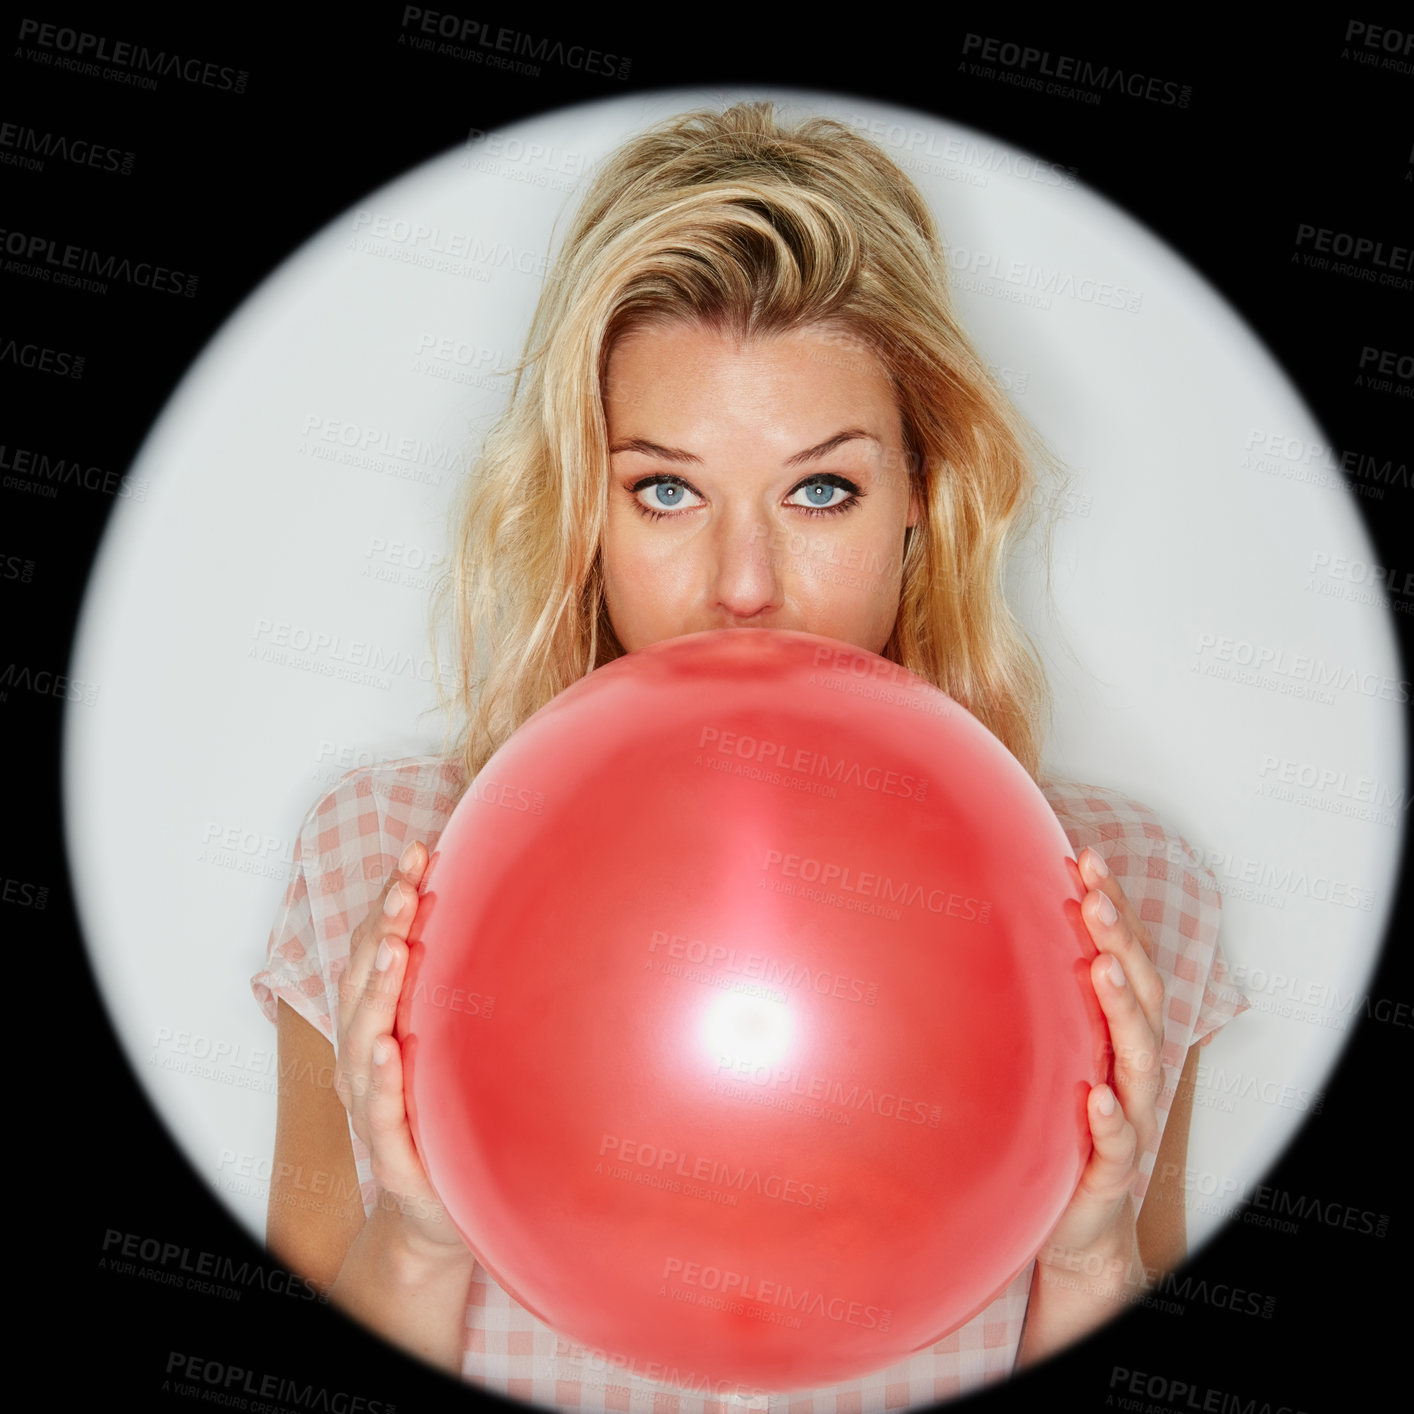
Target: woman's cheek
point(861, 608)
point(645, 597)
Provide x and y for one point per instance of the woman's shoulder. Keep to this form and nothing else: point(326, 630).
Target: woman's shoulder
point(1112, 821)
point(1148, 855)
point(404, 798)
point(1162, 875)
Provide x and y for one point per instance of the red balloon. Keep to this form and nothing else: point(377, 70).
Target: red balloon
point(748, 1023)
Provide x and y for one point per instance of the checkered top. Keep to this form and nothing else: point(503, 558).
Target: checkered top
point(352, 839)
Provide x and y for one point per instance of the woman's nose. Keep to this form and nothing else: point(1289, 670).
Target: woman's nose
point(747, 582)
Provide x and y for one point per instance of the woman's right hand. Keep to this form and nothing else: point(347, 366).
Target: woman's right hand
point(368, 1072)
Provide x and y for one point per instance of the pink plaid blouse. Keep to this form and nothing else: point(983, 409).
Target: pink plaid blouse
point(351, 840)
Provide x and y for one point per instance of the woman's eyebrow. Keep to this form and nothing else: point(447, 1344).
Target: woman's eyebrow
point(676, 454)
point(823, 449)
point(652, 449)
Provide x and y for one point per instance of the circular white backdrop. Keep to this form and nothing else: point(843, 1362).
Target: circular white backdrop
point(256, 621)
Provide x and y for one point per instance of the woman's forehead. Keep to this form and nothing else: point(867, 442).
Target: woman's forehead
point(816, 353)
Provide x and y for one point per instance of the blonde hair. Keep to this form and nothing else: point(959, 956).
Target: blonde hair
point(742, 222)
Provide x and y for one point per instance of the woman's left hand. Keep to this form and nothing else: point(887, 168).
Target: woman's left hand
point(1123, 1121)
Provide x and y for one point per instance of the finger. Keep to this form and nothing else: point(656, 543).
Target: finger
point(1138, 1075)
point(395, 1164)
point(390, 914)
point(413, 862)
point(370, 1020)
point(378, 1003)
point(1112, 935)
point(1110, 1174)
point(363, 944)
point(1096, 874)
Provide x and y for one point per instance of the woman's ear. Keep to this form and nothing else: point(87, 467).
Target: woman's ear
point(915, 505)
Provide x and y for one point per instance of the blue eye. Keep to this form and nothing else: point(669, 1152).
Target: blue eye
point(818, 493)
point(660, 495)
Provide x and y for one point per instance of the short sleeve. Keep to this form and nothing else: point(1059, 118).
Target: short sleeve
point(346, 847)
point(1177, 900)
point(293, 971)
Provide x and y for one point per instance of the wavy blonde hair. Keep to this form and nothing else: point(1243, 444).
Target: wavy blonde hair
point(756, 227)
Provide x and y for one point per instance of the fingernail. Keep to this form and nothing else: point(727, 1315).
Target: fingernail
point(1116, 971)
point(405, 861)
point(1106, 910)
point(380, 1057)
point(1105, 1103)
point(385, 956)
point(394, 901)
point(1098, 865)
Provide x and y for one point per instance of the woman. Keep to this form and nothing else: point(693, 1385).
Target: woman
point(745, 403)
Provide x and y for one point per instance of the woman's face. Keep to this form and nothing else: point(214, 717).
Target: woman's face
point(755, 484)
